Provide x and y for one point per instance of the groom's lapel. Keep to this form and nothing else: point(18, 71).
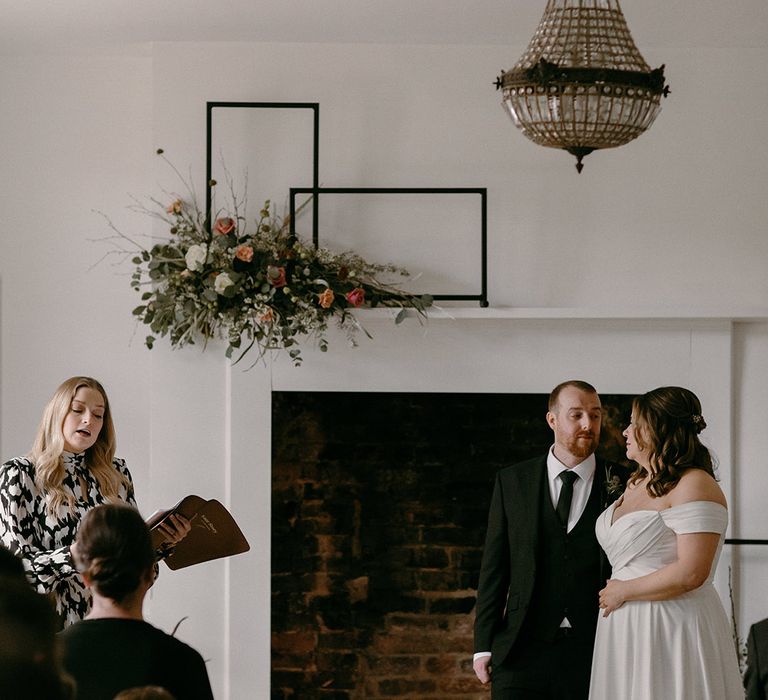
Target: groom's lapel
point(529, 481)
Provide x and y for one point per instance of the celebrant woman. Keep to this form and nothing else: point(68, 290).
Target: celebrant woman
point(44, 495)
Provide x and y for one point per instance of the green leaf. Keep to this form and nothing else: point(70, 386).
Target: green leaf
point(149, 341)
point(401, 315)
point(136, 260)
point(146, 295)
point(139, 310)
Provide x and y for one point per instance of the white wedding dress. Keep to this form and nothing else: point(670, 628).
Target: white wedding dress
point(678, 649)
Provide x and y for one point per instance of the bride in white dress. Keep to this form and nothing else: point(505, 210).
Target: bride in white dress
point(663, 633)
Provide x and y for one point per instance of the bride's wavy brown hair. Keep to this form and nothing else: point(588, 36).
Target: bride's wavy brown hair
point(669, 421)
point(46, 452)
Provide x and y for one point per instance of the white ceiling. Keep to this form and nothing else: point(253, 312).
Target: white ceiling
point(45, 25)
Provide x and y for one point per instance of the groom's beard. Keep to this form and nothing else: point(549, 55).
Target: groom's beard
point(583, 444)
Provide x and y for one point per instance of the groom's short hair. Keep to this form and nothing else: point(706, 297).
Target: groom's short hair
point(576, 383)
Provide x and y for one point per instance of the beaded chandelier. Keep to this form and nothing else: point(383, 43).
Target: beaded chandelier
point(582, 84)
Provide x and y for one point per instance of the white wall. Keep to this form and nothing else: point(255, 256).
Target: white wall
point(675, 219)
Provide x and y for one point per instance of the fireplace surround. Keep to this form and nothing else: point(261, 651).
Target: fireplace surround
point(480, 351)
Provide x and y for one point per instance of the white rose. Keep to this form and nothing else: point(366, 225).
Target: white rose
point(222, 282)
point(195, 257)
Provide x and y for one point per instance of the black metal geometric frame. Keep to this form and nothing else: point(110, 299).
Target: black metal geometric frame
point(316, 190)
point(314, 106)
point(482, 297)
point(738, 541)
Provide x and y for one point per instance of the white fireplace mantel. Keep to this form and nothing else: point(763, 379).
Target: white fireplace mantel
point(671, 313)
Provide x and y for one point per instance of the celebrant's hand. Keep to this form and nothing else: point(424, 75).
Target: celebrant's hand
point(482, 668)
point(73, 554)
point(612, 596)
point(175, 528)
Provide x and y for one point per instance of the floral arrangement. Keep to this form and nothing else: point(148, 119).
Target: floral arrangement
point(258, 288)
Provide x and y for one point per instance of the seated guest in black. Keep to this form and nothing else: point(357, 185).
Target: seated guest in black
point(114, 649)
point(11, 566)
point(29, 667)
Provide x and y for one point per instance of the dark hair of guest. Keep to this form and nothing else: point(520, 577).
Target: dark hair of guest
point(146, 692)
point(668, 422)
point(114, 549)
point(28, 622)
point(11, 566)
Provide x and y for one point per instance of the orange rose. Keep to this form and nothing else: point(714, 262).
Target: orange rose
point(267, 316)
point(356, 297)
point(244, 252)
point(326, 298)
point(224, 226)
point(174, 207)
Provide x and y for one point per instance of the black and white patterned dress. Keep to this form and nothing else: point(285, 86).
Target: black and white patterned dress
point(42, 540)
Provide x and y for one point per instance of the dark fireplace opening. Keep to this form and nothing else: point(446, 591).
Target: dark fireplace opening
point(379, 509)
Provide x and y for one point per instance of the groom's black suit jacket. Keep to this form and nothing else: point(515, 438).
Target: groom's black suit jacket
point(756, 677)
point(508, 571)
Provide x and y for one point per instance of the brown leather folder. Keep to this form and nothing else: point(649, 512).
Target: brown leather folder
point(214, 533)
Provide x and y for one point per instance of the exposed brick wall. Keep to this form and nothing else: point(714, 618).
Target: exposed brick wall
point(379, 509)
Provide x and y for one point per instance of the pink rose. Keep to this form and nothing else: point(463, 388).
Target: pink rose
point(224, 226)
point(326, 298)
point(174, 207)
point(276, 276)
point(356, 297)
point(244, 252)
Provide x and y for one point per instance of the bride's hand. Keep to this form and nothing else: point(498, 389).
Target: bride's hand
point(611, 597)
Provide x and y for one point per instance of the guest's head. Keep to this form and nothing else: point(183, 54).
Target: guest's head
point(29, 663)
point(575, 416)
point(77, 419)
point(11, 566)
point(28, 622)
point(148, 692)
point(114, 552)
point(663, 437)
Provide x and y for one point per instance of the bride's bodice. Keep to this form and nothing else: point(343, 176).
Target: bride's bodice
point(644, 541)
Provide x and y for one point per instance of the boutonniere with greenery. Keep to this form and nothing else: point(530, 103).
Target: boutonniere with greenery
point(254, 284)
point(614, 485)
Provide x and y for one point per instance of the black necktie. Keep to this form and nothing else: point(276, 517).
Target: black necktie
point(566, 496)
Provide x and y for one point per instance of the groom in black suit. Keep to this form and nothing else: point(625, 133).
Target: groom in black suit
point(537, 599)
point(756, 676)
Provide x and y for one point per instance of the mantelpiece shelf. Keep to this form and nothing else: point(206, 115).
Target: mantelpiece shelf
point(444, 312)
